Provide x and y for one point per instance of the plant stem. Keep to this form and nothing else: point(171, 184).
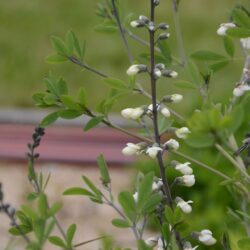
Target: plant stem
point(199, 163)
point(118, 21)
point(89, 241)
point(83, 65)
point(155, 115)
point(232, 160)
point(178, 33)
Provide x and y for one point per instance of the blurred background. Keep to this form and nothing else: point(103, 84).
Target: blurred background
point(25, 30)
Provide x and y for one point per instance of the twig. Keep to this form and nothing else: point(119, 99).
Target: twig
point(118, 21)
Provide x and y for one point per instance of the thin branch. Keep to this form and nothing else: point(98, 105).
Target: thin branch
point(118, 21)
point(85, 66)
point(179, 33)
point(89, 241)
point(232, 160)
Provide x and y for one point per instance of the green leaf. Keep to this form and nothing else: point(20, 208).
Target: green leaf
point(194, 73)
point(55, 59)
point(77, 191)
point(69, 102)
point(120, 223)
point(55, 208)
point(244, 243)
point(229, 45)
point(205, 55)
point(90, 184)
point(104, 170)
point(69, 113)
point(197, 140)
point(128, 204)
point(82, 96)
point(165, 52)
point(59, 45)
point(115, 83)
point(241, 18)
point(69, 42)
point(93, 122)
point(55, 240)
point(50, 99)
point(49, 119)
point(32, 196)
point(62, 87)
point(70, 234)
point(42, 205)
point(225, 241)
point(106, 27)
point(23, 229)
point(145, 190)
point(169, 214)
point(219, 65)
point(236, 119)
point(182, 84)
point(77, 45)
point(152, 203)
point(238, 32)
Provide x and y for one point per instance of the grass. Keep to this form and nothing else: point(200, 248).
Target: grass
point(26, 27)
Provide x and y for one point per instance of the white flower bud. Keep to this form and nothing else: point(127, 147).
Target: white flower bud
point(134, 24)
point(245, 42)
point(150, 108)
point(240, 90)
point(131, 149)
point(160, 66)
point(136, 68)
point(151, 26)
point(163, 26)
point(184, 168)
point(163, 36)
point(184, 205)
point(224, 27)
point(135, 196)
point(176, 98)
point(206, 237)
point(157, 73)
point(132, 113)
point(186, 180)
point(156, 2)
point(157, 185)
point(153, 151)
point(165, 112)
point(182, 132)
point(170, 73)
point(172, 144)
point(152, 241)
point(143, 19)
point(188, 246)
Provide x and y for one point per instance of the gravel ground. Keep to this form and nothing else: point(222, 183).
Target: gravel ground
point(91, 219)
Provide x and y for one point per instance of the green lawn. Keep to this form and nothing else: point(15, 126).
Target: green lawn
point(26, 27)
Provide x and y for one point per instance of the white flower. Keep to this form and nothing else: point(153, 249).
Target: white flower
point(157, 185)
point(245, 42)
point(153, 151)
point(172, 144)
point(186, 180)
point(135, 24)
point(182, 132)
point(132, 113)
point(184, 205)
point(240, 90)
point(152, 241)
point(135, 69)
point(188, 246)
point(173, 74)
point(224, 27)
point(131, 149)
point(157, 73)
point(135, 196)
point(150, 108)
point(176, 98)
point(206, 237)
point(165, 112)
point(184, 168)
